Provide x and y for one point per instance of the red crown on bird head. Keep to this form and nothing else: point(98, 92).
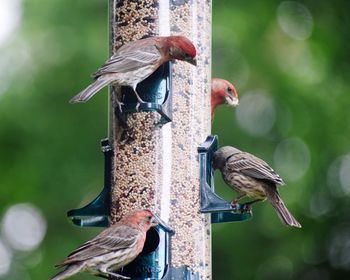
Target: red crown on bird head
point(184, 44)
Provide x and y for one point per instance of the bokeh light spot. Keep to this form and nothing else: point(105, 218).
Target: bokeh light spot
point(338, 176)
point(295, 20)
point(24, 227)
point(256, 113)
point(320, 204)
point(312, 253)
point(10, 16)
point(239, 68)
point(292, 159)
point(5, 259)
point(302, 62)
point(236, 68)
point(344, 174)
point(339, 248)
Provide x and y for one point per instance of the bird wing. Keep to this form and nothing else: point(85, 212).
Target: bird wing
point(112, 239)
point(253, 167)
point(129, 59)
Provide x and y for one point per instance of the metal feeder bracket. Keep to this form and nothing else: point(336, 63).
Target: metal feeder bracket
point(155, 91)
point(220, 209)
point(96, 213)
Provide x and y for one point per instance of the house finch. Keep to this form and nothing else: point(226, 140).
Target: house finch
point(135, 61)
point(252, 177)
point(222, 92)
point(112, 249)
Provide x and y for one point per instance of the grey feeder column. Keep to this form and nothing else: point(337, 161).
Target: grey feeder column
point(155, 164)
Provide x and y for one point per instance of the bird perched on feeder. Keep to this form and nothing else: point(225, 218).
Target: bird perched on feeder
point(112, 249)
point(135, 61)
point(251, 176)
point(222, 92)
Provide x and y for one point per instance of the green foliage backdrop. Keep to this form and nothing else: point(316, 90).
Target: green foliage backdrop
point(290, 63)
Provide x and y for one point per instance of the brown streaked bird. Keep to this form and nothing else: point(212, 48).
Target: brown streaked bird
point(222, 92)
point(135, 61)
point(251, 176)
point(112, 249)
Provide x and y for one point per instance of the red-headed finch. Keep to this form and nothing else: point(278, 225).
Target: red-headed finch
point(222, 92)
point(112, 249)
point(135, 61)
point(251, 176)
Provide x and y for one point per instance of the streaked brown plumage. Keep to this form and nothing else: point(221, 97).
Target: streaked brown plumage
point(252, 177)
point(135, 61)
point(222, 92)
point(112, 249)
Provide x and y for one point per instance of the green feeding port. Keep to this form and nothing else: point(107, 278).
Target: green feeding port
point(96, 213)
point(155, 91)
point(154, 260)
point(220, 209)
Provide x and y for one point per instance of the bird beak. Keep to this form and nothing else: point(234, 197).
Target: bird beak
point(193, 61)
point(162, 224)
point(154, 222)
point(231, 100)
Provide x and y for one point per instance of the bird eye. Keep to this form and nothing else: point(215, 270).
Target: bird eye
point(229, 90)
point(149, 218)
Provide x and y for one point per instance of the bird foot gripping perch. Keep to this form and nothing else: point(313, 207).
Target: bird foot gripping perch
point(221, 210)
point(154, 91)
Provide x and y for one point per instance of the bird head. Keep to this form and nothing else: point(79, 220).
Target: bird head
point(182, 48)
point(221, 155)
point(223, 92)
point(141, 218)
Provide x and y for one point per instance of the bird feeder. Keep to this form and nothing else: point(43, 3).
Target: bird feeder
point(155, 91)
point(161, 155)
point(156, 167)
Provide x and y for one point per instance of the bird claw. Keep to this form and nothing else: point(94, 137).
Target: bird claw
point(244, 208)
point(234, 205)
point(120, 106)
point(137, 106)
point(247, 207)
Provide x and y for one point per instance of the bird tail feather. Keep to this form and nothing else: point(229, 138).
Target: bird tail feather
point(68, 272)
point(91, 90)
point(285, 216)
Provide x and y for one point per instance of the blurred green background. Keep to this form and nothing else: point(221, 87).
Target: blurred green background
point(290, 62)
